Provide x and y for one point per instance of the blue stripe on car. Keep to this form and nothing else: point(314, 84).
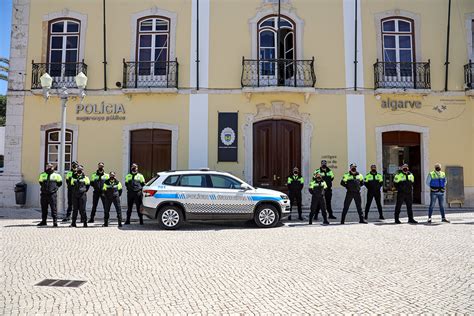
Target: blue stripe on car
point(267, 198)
point(166, 196)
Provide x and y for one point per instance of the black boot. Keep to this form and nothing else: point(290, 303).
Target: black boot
point(55, 223)
point(66, 219)
point(326, 222)
point(73, 224)
point(106, 224)
point(289, 218)
point(85, 223)
point(91, 220)
point(42, 223)
point(362, 220)
point(120, 223)
point(397, 221)
point(381, 216)
point(127, 222)
point(412, 221)
point(141, 220)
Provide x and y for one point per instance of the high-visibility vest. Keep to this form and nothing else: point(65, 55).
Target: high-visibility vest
point(438, 181)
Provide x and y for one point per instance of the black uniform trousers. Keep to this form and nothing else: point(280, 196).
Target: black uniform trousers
point(406, 198)
point(370, 196)
point(51, 201)
point(69, 202)
point(295, 195)
point(95, 201)
point(79, 205)
point(318, 203)
point(134, 198)
point(347, 202)
point(108, 203)
point(328, 198)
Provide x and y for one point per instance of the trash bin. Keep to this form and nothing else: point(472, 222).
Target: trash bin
point(20, 193)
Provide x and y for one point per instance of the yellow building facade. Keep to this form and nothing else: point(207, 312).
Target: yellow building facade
point(346, 81)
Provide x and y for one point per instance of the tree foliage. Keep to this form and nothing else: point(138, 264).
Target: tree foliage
point(3, 109)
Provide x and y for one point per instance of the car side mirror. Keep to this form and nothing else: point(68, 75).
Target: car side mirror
point(244, 187)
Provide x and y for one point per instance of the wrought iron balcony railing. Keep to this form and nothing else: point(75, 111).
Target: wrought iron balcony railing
point(150, 74)
point(402, 75)
point(278, 72)
point(62, 73)
point(469, 75)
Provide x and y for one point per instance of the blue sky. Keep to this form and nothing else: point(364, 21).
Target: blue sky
point(5, 26)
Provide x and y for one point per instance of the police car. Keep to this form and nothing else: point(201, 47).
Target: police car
point(174, 197)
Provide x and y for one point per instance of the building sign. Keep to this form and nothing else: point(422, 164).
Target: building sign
point(400, 104)
point(227, 136)
point(100, 112)
point(331, 161)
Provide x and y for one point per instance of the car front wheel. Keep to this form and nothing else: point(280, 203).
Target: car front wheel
point(170, 217)
point(266, 216)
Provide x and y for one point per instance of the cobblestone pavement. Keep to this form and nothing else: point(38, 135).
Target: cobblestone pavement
point(236, 268)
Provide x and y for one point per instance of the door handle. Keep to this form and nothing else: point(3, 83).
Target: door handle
point(274, 177)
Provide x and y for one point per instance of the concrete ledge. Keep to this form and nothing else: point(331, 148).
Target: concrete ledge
point(150, 90)
point(402, 91)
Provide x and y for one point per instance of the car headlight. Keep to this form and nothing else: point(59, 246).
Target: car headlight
point(284, 196)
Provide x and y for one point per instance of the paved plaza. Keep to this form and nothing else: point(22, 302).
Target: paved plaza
point(229, 268)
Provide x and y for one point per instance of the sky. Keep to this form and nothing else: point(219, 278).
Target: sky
point(5, 27)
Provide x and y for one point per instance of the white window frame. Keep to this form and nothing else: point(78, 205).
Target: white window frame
point(64, 35)
point(49, 142)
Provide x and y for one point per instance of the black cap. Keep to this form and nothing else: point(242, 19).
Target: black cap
point(134, 165)
point(324, 162)
point(100, 164)
point(80, 167)
point(112, 174)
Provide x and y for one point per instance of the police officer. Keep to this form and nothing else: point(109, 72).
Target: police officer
point(373, 182)
point(69, 176)
point(353, 181)
point(134, 182)
point(328, 177)
point(316, 188)
point(112, 189)
point(80, 185)
point(295, 183)
point(403, 181)
point(97, 181)
point(436, 180)
point(49, 182)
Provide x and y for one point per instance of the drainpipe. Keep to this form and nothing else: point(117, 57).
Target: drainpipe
point(447, 48)
point(355, 46)
point(105, 48)
point(197, 44)
point(278, 32)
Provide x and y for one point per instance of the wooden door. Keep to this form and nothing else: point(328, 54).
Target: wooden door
point(151, 150)
point(276, 151)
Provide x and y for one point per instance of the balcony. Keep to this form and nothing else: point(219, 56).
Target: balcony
point(62, 73)
point(469, 75)
point(278, 73)
point(150, 75)
point(402, 75)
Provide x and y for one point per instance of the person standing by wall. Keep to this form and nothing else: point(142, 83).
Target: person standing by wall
point(437, 181)
point(97, 181)
point(373, 182)
point(80, 185)
point(69, 175)
point(49, 182)
point(316, 188)
point(352, 181)
point(295, 183)
point(403, 181)
point(134, 182)
point(112, 190)
point(328, 177)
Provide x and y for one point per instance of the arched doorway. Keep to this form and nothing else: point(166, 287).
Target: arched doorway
point(151, 150)
point(276, 150)
point(399, 147)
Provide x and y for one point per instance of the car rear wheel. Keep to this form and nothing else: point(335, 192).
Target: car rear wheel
point(170, 217)
point(266, 216)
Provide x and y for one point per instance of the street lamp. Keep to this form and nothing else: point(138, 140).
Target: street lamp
point(46, 84)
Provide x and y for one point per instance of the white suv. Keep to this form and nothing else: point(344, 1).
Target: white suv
point(173, 197)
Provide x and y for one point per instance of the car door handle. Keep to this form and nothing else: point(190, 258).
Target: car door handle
point(274, 177)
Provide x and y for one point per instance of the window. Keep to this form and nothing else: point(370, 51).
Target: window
point(63, 48)
point(171, 180)
point(194, 180)
point(398, 46)
point(223, 182)
point(153, 46)
point(472, 39)
point(270, 47)
point(52, 148)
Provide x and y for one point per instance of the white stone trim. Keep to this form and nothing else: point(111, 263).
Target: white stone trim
point(424, 147)
point(469, 17)
point(66, 13)
point(269, 9)
point(349, 45)
point(204, 16)
point(279, 111)
point(15, 101)
point(148, 125)
point(57, 125)
point(402, 13)
point(198, 154)
point(172, 16)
